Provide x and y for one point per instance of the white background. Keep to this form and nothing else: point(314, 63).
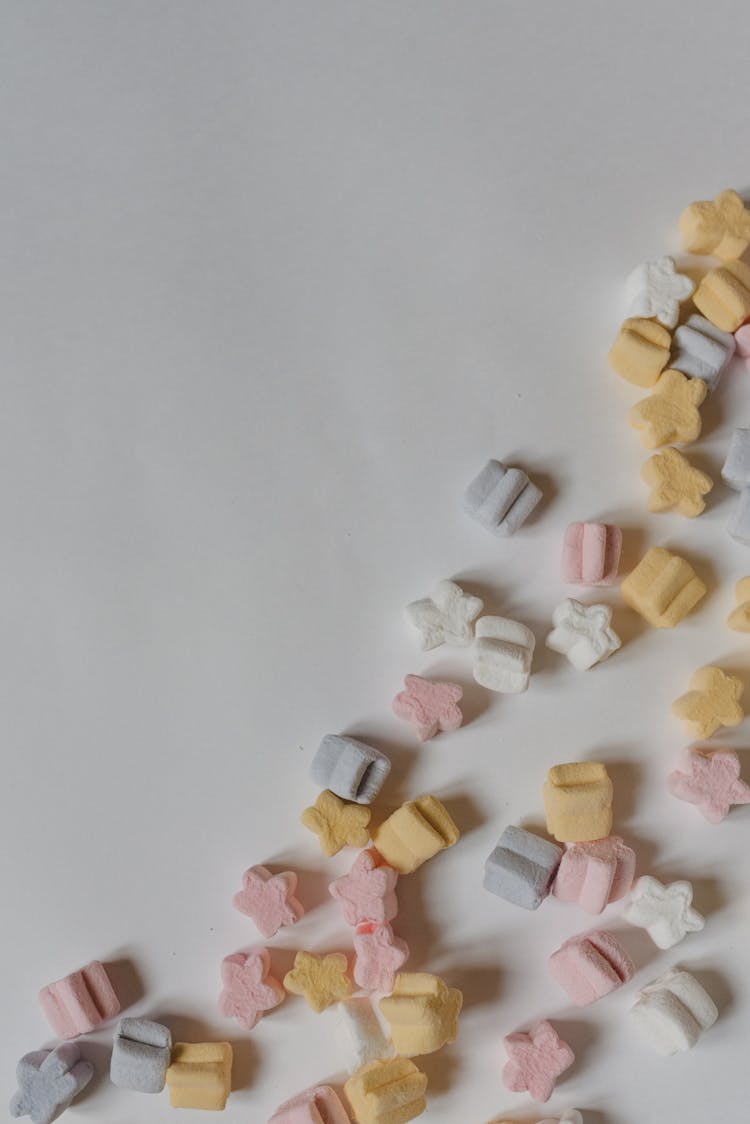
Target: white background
point(276, 280)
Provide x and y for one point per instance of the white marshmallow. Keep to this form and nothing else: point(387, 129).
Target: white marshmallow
point(736, 470)
point(739, 521)
point(665, 912)
point(673, 1011)
point(445, 618)
point(360, 1034)
point(583, 633)
point(504, 651)
point(701, 350)
point(656, 289)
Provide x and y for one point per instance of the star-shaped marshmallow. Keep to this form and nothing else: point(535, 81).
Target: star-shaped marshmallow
point(368, 892)
point(49, 1081)
point(711, 781)
point(322, 980)
point(720, 226)
point(337, 823)
point(583, 633)
point(380, 955)
point(670, 413)
point(536, 1060)
point(269, 899)
point(445, 618)
point(249, 990)
point(711, 702)
point(675, 483)
point(430, 706)
point(665, 912)
point(656, 289)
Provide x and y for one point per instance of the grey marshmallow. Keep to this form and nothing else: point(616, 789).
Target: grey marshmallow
point(522, 867)
point(350, 768)
point(141, 1052)
point(49, 1081)
point(501, 498)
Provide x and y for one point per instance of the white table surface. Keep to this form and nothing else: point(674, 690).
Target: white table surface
point(276, 280)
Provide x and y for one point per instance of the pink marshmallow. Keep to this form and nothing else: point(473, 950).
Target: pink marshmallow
point(249, 990)
point(596, 873)
point(80, 1002)
point(590, 966)
point(429, 705)
point(742, 340)
point(368, 891)
point(379, 956)
point(710, 780)
point(591, 554)
point(320, 1105)
point(535, 1060)
point(269, 899)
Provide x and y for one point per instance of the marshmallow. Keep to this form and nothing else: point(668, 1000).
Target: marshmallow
point(656, 289)
point(578, 801)
point(414, 833)
point(319, 1105)
point(80, 1002)
point(720, 226)
point(739, 618)
point(742, 343)
point(249, 989)
point(445, 618)
point(141, 1052)
point(583, 633)
point(736, 470)
point(596, 873)
point(422, 1012)
point(702, 351)
point(431, 706)
point(359, 1033)
point(501, 498)
point(739, 522)
point(711, 781)
point(321, 980)
point(48, 1082)
point(723, 295)
point(591, 553)
point(675, 483)
point(200, 1075)
point(269, 899)
point(665, 912)
point(368, 892)
point(663, 588)
point(504, 652)
point(349, 768)
point(591, 966)
point(713, 701)
point(521, 868)
point(536, 1060)
point(670, 413)
point(378, 956)
point(673, 1011)
point(387, 1092)
point(336, 823)
point(641, 351)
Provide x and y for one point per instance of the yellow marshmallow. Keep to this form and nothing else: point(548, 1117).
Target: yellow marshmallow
point(322, 980)
point(663, 588)
point(337, 823)
point(578, 801)
point(739, 618)
point(720, 226)
point(711, 702)
point(423, 1013)
point(387, 1092)
point(200, 1075)
point(414, 833)
point(675, 483)
point(641, 351)
point(723, 295)
point(670, 413)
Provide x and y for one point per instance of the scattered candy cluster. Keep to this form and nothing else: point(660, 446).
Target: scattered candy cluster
point(402, 1015)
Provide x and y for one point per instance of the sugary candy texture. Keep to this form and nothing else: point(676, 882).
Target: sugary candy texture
point(422, 1012)
point(141, 1052)
point(336, 823)
point(536, 1059)
point(360, 1034)
point(656, 289)
point(349, 768)
point(590, 966)
point(641, 351)
point(200, 1075)
point(269, 899)
point(670, 413)
point(723, 295)
point(379, 954)
point(736, 470)
point(665, 912)
point(719, 226)
point(578, 801)
point(591, 553)
point(368, 891)
point(445, 618)
point(414, 833)
point(675, 483)
point(249, 989)
point(322, 980)
point(595, 874)
point(713, 701)
point(319, 1105)
point(522, 867)
point(80, 1002)
point(739, 618)
point(504, 652)
point(673, 1011)
point(48, 1082)
point(711, 781)
point(663, 588)
point(387, 1092)
point(501, 498)
point(702, 351)
point(583, 633)
point(432, 707)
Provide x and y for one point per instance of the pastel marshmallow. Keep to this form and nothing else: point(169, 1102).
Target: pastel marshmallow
point(445, 618)
point(350, 768)
point(536, 1059)
point(675, 483)
point(249, 989)
point(738, 525)
point(673, 1011)
point(723, 295)
point(736, 470)
point(521, 868)
point(664, 911)
point(711, 781)
point(663, 588)
point(269, 899)
point(641, 351)
point(368, 892)
point(414, 833)
point(656, 289)
point(591, 553)
point(739, 619)
point(141, 1052)
point(319, 1105)
point(719, 226)
point(391, 1091)
point(200, 1075)
point(578, 801)
point(702, 351)
point(431, 706)
point(80, 1002)
point(48, 1082)
point(670, 413)
point(359, 1033)
point(504, 652)
point(379, 955)
point(591, 966)
point(501, 499)
point(596, 873)
point(583, 633)
point(321, 980)
point(713, 701)
point(422, 1012)
point(337, 823)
